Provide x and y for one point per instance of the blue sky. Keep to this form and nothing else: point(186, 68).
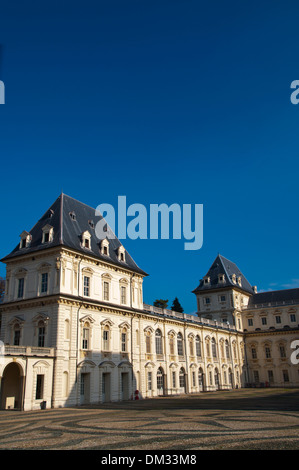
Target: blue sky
point(182, 102)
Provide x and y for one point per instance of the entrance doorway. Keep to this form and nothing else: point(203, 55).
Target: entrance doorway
point(124, 385)
point(106, 392)
point(11, 387)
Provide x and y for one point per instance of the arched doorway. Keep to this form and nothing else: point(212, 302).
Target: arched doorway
point(217, 379)
point(12, 387)
point(160, 381)
point(182, 380)
point(201, 383)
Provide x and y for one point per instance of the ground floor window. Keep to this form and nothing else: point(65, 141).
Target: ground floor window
point(285, 376)
point(39, 387)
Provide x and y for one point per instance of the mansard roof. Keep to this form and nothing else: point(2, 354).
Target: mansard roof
point(276, 297)
point(225, 267)
point(67, 232)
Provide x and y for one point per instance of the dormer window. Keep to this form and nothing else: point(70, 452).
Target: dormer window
point(240, 281)
point(48, 234)
point(86, 240)
point(91, 224)
point(73, 215)
point(121, 253)
point(234, 278)
point(221, 278)
point(105, 247)
point(207, 280)
point(25, 239)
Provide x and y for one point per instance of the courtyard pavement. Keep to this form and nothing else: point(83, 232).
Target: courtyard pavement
point(265, 419)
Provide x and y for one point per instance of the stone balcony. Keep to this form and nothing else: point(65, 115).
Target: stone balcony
point(28, 351)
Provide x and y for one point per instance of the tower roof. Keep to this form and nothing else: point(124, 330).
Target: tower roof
point(231, 277)
point(70, 219)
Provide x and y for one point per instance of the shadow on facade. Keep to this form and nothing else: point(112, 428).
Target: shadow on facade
point(99, 380)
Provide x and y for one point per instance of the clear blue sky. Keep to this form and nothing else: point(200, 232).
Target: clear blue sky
point(164, 102)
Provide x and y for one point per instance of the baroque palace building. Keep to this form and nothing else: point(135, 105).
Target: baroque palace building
point(75, 330)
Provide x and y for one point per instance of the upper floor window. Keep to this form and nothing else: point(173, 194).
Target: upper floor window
point(268, 352)
point(293, 317)
point(44, 283)
point(198, 346)
point(17, 335)
point(21, 288)
point(106, 335)
point(25, 239)
point(180, 345)
point(214, 350)
point(121, 253)
point(86, 286)
point(207, 300)
point(86, 240)
point(106, 290)
point(282, 351)
point(158, 337)
point(227, 350)
point(48, 234)
point(85, 336)
point(123, 295)
point(278, 319)
point(105, 247)
point(250, 321)
point(264, 321)
point(41, 334)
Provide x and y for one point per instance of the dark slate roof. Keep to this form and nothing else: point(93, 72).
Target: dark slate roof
point(67, 232)
point(287, 296)
point(224, 266)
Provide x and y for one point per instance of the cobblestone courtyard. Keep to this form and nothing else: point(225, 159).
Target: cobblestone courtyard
point(240, 419)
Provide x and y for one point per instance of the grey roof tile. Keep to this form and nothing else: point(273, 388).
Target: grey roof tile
point(67, 232)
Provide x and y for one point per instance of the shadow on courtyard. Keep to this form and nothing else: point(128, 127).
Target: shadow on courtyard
point(245, 399)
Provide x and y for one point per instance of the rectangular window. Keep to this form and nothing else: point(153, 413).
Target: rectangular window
point(173, 380)
point(39, 387)
point(207, 300)
point(222, 298)
point(250, 322)
point(123, 295)
point(41, 337)
point(106, 340)
point(278, 319)
point(106, 290)
point(193, 378)
point(293, 317)
point(270, 376)
point(86, 286)
point(285, 374)
point(149, 381)
point(85, 338)
point(268, 352)
point(44, 284)
point(282, 351)
point(17, 336)
point(253, 353)
point(256, 376)
point(21, 288)
point(264, 321)
point(123, 342)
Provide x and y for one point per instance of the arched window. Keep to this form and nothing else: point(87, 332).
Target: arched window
point(160, 380)
point(198, 346)
point(214, 351)
point(171, 344)
point(124, 338)
point(66, 329)
point(158, 338)
point(182, 377)
point(180, 345)
point(148, 343)
point(85, 336)
point(106, 338)
point(191, 345)
point(227, 352)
